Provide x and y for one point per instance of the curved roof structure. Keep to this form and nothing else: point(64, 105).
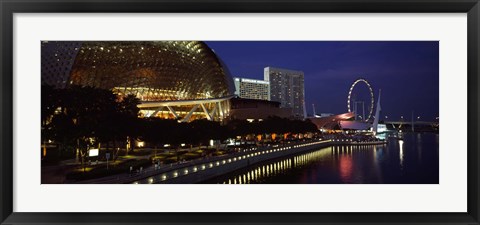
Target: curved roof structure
point(173, 79)
point(152, 70)
point(331, 122)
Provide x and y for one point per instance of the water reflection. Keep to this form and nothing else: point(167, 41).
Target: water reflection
point(280, 167)
point(346, 165)
point(400, 143)
point(419, 146)
point(388, 163)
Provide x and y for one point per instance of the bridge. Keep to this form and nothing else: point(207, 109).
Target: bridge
point(410, 123)
point(418, 125)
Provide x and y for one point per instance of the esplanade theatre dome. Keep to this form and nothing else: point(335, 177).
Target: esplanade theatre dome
point(184, 80)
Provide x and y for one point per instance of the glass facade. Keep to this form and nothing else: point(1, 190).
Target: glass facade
point(153, 71)
point(57, 61)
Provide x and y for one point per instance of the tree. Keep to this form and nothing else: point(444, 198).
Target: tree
point(85, 117)
point(49, 103)
point(127, 119)
point(239, 128)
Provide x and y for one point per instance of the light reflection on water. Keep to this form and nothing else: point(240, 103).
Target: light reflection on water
point(280, 167)
point(411, 160)
point(400, 143)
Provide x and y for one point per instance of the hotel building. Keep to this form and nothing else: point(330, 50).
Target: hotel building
point(287, 87)
point(252, 89)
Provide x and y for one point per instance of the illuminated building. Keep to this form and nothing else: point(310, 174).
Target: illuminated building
point(252, 89)
point(332, 122)
point(181, 80)
point(287, 87)
point(345, 121)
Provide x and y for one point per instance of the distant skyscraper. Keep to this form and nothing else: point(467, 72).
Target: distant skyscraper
point(252, 89)
point(287, 87)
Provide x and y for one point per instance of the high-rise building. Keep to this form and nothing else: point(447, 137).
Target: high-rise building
point(287, 87)
point(252, 89)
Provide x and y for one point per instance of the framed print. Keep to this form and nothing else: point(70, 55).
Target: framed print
point(261, 112)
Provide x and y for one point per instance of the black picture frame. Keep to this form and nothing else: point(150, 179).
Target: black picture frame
point(9, 7)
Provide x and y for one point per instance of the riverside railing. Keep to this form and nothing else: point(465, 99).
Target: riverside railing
point(205, 168)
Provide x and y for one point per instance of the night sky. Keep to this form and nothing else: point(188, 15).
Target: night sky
point(407, 72)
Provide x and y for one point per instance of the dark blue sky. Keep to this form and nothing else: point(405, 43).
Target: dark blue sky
point(406, 71)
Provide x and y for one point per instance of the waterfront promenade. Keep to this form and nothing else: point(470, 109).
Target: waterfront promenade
point(203, 169)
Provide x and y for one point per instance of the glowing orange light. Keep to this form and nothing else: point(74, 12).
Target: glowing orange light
point(259, 137)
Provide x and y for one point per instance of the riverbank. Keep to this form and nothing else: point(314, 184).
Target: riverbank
point(195, 172)
point(412, 160)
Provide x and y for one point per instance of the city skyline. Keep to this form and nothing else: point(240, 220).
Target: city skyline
point(406, 71)
point(156, 112)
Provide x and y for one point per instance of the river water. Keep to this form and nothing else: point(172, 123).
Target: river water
point(411, 160)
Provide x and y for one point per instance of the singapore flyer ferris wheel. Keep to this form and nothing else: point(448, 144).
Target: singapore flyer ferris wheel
point(349, 101)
